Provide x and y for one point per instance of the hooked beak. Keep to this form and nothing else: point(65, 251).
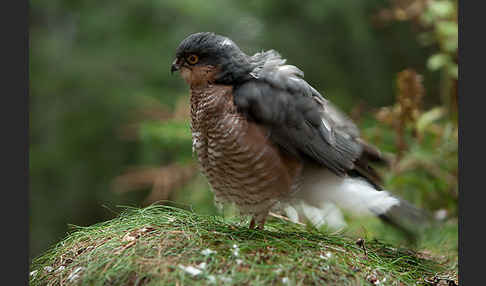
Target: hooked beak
point(175, 66)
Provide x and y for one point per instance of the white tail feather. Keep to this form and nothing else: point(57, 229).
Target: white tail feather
point(328, 214)
point(322, 191)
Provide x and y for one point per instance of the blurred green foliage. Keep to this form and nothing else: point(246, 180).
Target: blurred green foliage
point(94, 65)
point(172, 139)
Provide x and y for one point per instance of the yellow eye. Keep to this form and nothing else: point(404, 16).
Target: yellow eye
point(192, 59)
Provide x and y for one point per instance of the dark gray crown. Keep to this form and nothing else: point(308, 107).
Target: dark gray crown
point(206, 43)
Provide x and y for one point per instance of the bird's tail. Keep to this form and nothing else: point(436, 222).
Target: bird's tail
point(323, 194)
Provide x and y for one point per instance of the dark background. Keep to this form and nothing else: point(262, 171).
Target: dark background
point(109, 126)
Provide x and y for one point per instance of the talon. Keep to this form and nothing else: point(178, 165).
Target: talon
point(261, 225)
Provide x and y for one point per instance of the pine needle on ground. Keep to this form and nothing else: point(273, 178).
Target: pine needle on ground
point(161, 245)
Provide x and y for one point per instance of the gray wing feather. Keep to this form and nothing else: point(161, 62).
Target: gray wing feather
point(300, 120)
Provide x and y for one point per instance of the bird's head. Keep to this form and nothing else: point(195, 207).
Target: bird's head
point(205, 58)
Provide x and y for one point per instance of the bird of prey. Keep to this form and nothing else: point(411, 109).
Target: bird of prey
point(266, 139)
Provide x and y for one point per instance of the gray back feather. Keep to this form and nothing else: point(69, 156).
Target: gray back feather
point(299, 118)
point(271, 68)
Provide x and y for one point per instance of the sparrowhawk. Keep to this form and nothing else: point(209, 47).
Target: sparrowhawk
point(266, 139)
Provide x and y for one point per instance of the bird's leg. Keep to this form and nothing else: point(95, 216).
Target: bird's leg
point(258, 220)
point(252, 223)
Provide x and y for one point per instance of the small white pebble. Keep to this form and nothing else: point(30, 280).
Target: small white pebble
point(211, 279)
point(75, 274)
point(285, 280)
point(207, 252)
point(191, 270)
point(202, 265)
point(61, 268)
point(33, 273)
point(440, 214)
point(328, 255)
point(226, 279)
point(48, 269)
point(236, 250)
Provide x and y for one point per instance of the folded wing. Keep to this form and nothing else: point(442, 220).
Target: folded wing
point(298, 118)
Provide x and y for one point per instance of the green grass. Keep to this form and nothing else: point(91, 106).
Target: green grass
point(151, 246)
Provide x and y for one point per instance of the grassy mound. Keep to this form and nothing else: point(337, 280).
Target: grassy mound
point(162, 245)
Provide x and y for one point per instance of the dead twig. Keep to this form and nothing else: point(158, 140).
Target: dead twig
point(285, 218)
